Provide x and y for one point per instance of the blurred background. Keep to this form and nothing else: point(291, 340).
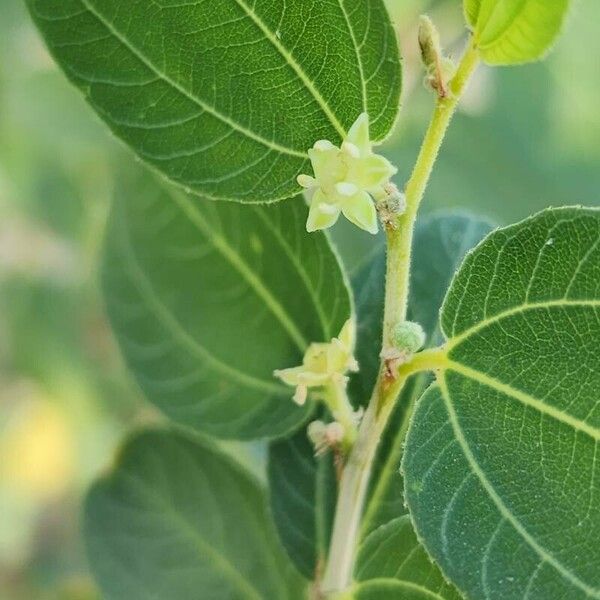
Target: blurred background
point(525, 138)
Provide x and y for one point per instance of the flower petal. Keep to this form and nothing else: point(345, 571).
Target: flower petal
point(300, 395)
point(306, 181)
point(322, 214)
point(346, 189)
point(290, 376)
point(348, 334)
point(359, 134)
point(372, 171)
point(360, 210)
point(327, 164)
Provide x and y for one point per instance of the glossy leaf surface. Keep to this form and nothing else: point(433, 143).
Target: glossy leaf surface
point(515, 31)
point(227, 97)
point(303, 494)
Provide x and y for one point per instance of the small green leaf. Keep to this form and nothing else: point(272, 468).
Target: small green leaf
point(501, 463)
point(305, 485)
point(177, 519)
point(393, 557)
point(226, 98)
point(193, 289)
point(510, 32)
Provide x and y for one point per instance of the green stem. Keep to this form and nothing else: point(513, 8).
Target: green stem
point(400, 234)
point(357, 472)
point(355, 479)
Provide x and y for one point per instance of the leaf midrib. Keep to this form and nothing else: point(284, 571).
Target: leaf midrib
point(291, 61)
point(455, 340)
point(293, 257)
point(497, 500)
point(203, 105)
point(524, 398)
point(189, 531)
point(229, 253)
point(179, 332)
point(359, 60)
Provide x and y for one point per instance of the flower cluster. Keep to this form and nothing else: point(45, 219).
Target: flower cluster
point(323, 363)
point(345, 179)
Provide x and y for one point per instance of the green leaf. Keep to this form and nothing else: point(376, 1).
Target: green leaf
point(226, 98)
point(207, 299)
point(393, 557)
point(501, 464)
point(511, 32)
point(303, 487)
point(303, 494)
point(177, 519)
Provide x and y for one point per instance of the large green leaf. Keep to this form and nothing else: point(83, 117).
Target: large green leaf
point(226, 97)
point(207, 299)
point(515, 31)
point(501, 464)
point(175, 519)
point(302, 486)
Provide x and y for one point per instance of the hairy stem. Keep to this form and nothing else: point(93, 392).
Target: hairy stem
point(355, 479)
point(400, 234)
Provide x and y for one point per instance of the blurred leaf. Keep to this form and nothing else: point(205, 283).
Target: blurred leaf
point(177, 519)
point(509, 32)
point(194, 288)
point(509, 141)
point(229, 121)
point(500, 462)
point(303, 493)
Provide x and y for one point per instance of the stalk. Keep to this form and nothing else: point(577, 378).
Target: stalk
point(357, 471)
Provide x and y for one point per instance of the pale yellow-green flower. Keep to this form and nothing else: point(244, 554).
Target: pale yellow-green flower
point(323, 363)
point(344, 180)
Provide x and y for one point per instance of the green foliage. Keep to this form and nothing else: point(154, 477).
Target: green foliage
point(501, 458)
point(303, 487)
point(208, 299)
point(511, 32)
point(194, 289)
point(226, 97)
point(177, 519)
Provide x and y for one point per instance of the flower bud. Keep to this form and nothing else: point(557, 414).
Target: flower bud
point(408, 337)
point(440, 69)
point(429, 42)
point(325, 436)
